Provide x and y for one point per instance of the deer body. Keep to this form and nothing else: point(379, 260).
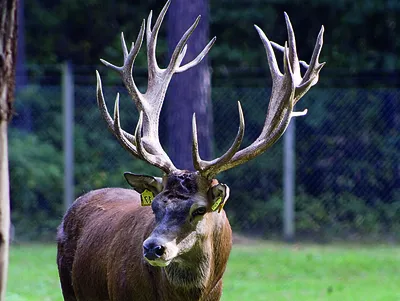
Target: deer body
point(110, 247)
point(100, 245)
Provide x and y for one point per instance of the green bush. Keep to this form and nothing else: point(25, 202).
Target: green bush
point(36, 186)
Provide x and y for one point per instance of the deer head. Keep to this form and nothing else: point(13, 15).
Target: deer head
point(187, 203)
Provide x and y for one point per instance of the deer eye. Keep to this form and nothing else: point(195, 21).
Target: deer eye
point(199, 211)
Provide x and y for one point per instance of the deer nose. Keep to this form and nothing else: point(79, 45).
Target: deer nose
point(152, 250)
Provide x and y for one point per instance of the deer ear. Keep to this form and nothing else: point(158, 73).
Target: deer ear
point(218, 195)
point(142, 182)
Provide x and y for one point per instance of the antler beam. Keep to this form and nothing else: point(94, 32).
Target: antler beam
point(145, 144)
point(287, 88)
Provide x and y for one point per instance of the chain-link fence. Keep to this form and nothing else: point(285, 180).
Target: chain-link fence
point(347, 160)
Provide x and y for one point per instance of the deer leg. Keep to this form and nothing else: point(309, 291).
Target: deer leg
point(65, 258)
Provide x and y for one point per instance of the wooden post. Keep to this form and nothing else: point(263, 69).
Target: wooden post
point(68, 100)
point(289, 173)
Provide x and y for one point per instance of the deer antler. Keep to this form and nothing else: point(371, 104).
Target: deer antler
point(145, 143)
point(287, 89)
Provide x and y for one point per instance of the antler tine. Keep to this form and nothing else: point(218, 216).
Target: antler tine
point(312, 70)
point(151, 38)
point(160, 161)
point(287, 89)
point(176, 57)
point(312, 74)
point(103, 108)
point(180, 48)
point(210, 168)
point(272, 63)
point(199, 58)
point(119, 133)
point(292, 54)
point(281, 48)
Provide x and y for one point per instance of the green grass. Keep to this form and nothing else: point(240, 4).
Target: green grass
point(304, 272)
point(32, 274)
point(266, 271)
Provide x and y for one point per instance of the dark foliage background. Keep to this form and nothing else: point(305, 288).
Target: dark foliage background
point(347, 147)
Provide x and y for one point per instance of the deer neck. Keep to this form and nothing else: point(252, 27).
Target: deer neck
point(202, 267)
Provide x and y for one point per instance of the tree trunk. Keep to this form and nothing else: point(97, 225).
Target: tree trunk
point(8, 42)
point(189, 92)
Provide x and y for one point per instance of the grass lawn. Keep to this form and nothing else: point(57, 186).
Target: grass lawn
point(262, 271)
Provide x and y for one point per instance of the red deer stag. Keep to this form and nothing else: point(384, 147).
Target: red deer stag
point(110, 247)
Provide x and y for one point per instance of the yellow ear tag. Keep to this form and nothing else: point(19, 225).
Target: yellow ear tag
point(216, 204)
point(146, 197)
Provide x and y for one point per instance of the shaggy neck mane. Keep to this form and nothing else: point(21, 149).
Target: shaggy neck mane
point(195, 273)
point(192, 270)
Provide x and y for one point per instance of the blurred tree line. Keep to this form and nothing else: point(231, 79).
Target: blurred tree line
point(348, 177)
point(360, 35)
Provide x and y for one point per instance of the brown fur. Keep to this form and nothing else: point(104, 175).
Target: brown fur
point(100, 253)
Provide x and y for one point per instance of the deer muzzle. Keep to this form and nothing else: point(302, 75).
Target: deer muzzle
point(158, 251)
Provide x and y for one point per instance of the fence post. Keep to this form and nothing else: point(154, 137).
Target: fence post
point(289, 172)
point(68, 116)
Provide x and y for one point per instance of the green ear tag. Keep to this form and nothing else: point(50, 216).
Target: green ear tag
point(146, 197)
point(216, 204)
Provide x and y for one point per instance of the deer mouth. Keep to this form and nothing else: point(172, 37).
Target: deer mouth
point(159, 262)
